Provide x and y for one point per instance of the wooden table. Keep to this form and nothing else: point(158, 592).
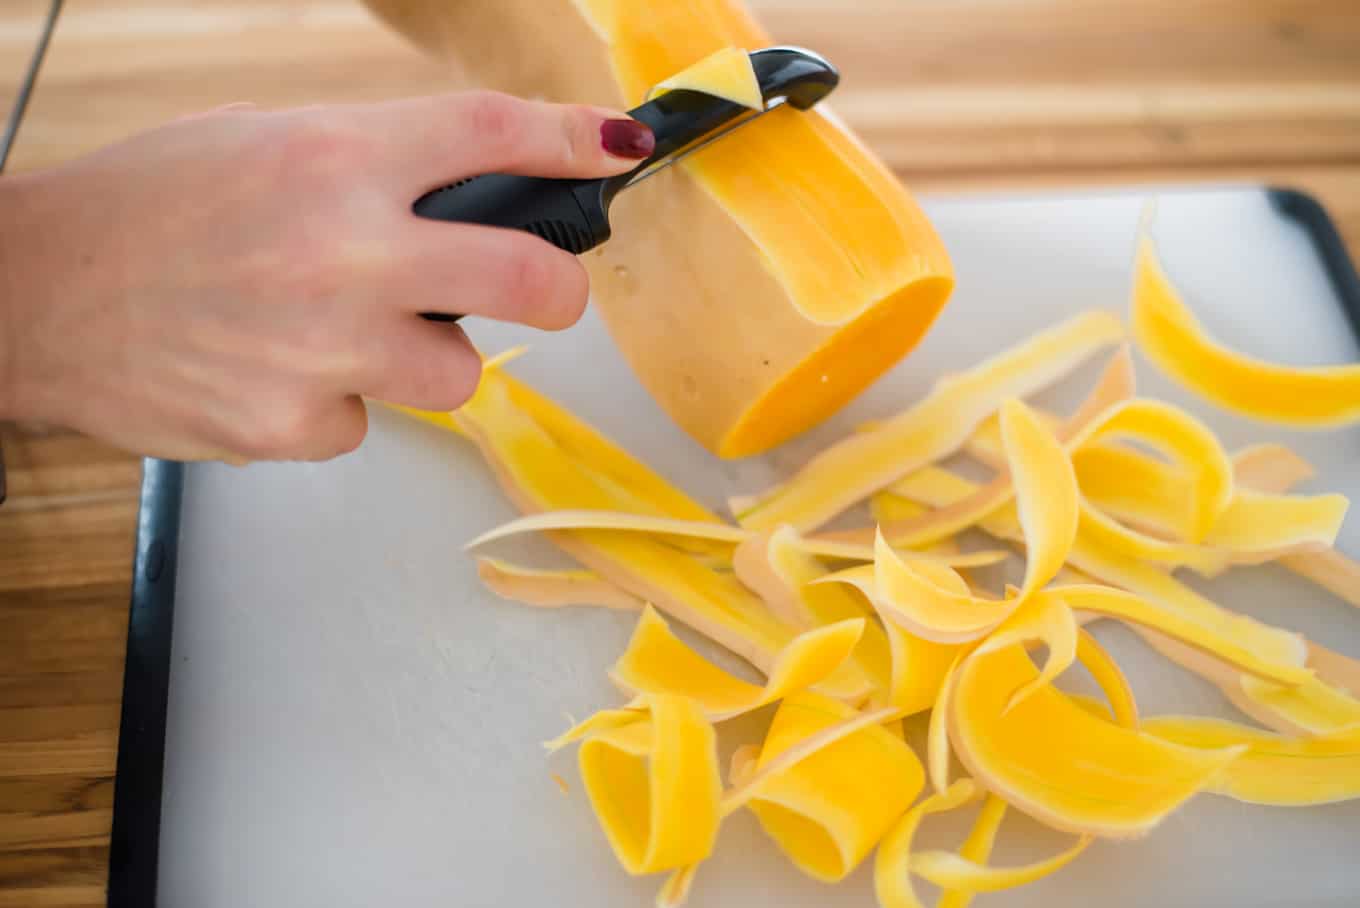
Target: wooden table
point(957, 96)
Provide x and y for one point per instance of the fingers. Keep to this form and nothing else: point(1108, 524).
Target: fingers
point(435, 140)
point(506, 275)
point(337, 428)
point(422, 364)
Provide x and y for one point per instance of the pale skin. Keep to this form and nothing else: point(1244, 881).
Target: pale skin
point(233, 285)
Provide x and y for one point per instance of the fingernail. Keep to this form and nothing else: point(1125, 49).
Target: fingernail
point(627, 139)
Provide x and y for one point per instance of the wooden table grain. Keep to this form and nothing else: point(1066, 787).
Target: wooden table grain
point(960, 96)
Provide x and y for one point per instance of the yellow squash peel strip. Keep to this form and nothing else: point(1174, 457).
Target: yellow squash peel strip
point(1275, 770)
point(776, 568)
point(725, 74)
point(552, 589)
point(977, 847)
point(1148, 494)
point(1046, 497)
point(655, 787)
point(1260, 523)
point(939, 487)
point(1316, 706)
point(962, 874)
point(1120, 704)
point(1176, 342)
point(938, 425)
point(954, 871)
point(705, 531)
point(829, 807)
point(658, 662)
point(1106, 780)
point(539, 475)
point(892, 884)
point(1115, 385)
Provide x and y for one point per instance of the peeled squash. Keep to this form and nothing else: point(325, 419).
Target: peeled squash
point(838, 271)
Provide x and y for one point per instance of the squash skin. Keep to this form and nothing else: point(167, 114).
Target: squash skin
point(687, 286)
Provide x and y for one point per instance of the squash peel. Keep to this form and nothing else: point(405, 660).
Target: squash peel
point(1106, 781)
point(775, 567)
point(1047, 504)
point(892, 884)
point(1122, 707)
point(1171, 336)
point(940, 424)
point(726, 74)
point(939, 487)
point(977, 847)
point(658, 662)
point(831, 807)
point(926, 526)
point(1275, 770)
point(552, 589)
point(654, 786)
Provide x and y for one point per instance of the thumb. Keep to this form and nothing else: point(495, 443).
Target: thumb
point(435, 140)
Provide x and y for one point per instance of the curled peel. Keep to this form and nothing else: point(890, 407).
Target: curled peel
point(958, 874)
point(1045, 619)
point(1177, 343)
point(1123, 708)
point(776, 568)
point(937, 426)
point(654, 786)
point(1275, 770)
point(892, 884)
point(977, 847)
point(658, 662)
point(1046, 498)
point(938, 487)
point(1105, 781)
point(922, 526)
point(828, 783)
point(1183, 438)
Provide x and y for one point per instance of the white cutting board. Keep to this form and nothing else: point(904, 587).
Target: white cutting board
point(354, 721)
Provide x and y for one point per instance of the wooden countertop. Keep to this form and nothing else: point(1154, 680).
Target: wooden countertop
point(956, 96)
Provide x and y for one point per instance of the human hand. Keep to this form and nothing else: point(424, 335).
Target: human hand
point(230, 285)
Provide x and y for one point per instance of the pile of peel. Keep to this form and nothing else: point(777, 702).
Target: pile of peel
point(855, 630)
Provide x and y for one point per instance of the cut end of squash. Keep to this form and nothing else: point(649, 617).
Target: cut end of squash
point(834, 374)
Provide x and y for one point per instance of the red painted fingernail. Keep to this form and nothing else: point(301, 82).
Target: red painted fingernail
point(627, 139)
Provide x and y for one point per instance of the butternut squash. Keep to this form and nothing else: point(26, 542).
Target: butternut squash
point(763, 283)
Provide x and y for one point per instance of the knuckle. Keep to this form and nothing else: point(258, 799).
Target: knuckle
point(496, 119)
point(543, 286)
point(445, 380)
point(563, 291)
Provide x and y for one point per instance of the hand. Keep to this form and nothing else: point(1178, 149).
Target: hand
point(229, 286)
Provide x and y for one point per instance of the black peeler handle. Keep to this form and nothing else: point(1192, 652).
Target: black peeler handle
point(570, 214)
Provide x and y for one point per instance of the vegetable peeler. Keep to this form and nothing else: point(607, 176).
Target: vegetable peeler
point(574, 214)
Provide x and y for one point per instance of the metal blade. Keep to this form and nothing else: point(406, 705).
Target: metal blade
point(702, 143)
